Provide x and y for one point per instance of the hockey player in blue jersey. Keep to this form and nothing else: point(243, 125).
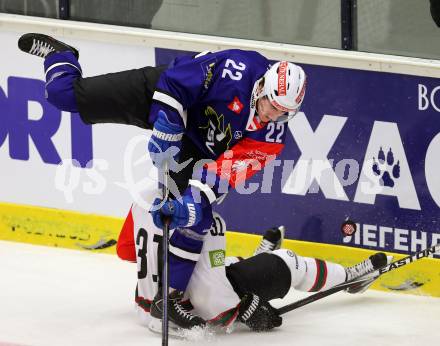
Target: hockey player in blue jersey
point(217, 118)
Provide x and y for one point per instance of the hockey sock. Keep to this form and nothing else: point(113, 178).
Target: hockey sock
point(311, 274)
point(184, 253)
point(61, 70)
point(184, 250)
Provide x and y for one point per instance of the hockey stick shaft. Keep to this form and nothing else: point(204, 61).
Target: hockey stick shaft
point(370, 276)
point(165, 272)
point(319, 295)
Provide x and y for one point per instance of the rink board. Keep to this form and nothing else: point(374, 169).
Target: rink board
point(66, 229)
point(359, 108)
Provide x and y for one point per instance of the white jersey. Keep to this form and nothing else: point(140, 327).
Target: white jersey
point(209, 290)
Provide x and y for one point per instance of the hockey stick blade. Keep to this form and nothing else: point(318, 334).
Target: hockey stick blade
point(375, 274)
point(409, 259)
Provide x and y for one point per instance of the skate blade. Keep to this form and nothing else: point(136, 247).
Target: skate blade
point(155, 325)
point(193, 334)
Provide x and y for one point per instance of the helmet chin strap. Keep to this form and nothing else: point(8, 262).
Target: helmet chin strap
point(254, 121)
point(286, 117)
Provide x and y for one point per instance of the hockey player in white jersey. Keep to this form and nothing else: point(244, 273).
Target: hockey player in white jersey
point(222, 289)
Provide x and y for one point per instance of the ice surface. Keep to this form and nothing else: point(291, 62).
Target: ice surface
point(51, 296)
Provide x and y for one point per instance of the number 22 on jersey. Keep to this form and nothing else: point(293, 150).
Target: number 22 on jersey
point(233, 70)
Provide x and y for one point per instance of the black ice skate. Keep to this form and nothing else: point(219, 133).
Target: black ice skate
point(42, 45)
point(374, 262)
point(272, 240)
point(178, 316)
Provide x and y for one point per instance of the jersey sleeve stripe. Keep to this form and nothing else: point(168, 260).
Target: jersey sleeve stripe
point(188, 233)
point(184, 254)
point(171, 102)
point(60, 64)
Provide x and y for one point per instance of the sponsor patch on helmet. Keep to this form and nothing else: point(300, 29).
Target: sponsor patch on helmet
point(282, 78)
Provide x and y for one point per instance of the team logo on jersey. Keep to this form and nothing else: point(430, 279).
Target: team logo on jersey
point(217, 135)
point(217, 258)
point(236, 106)
point(208, 74)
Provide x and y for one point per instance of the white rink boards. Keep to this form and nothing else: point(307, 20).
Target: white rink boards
point(51, 296)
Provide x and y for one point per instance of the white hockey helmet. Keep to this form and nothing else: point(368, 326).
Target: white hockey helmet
point(285, 86)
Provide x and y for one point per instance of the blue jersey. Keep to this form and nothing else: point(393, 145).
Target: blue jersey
point(211, 95)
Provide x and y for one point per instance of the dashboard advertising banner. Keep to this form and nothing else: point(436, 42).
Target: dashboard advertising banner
point(50, 158)
point(365, 147)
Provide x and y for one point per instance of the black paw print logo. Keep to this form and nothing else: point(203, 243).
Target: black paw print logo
point(386, 168)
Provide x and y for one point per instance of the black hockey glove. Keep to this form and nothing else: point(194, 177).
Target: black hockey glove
point(257, 314)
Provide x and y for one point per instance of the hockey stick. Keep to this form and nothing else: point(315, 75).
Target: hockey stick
point(367, 277)
point(165, 277)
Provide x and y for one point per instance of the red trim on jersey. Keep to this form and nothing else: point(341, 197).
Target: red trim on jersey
point(144, 304)
point(225, 318)
point(125, 248)
point(255, 124)
point(244, 159)
point(324, 281)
